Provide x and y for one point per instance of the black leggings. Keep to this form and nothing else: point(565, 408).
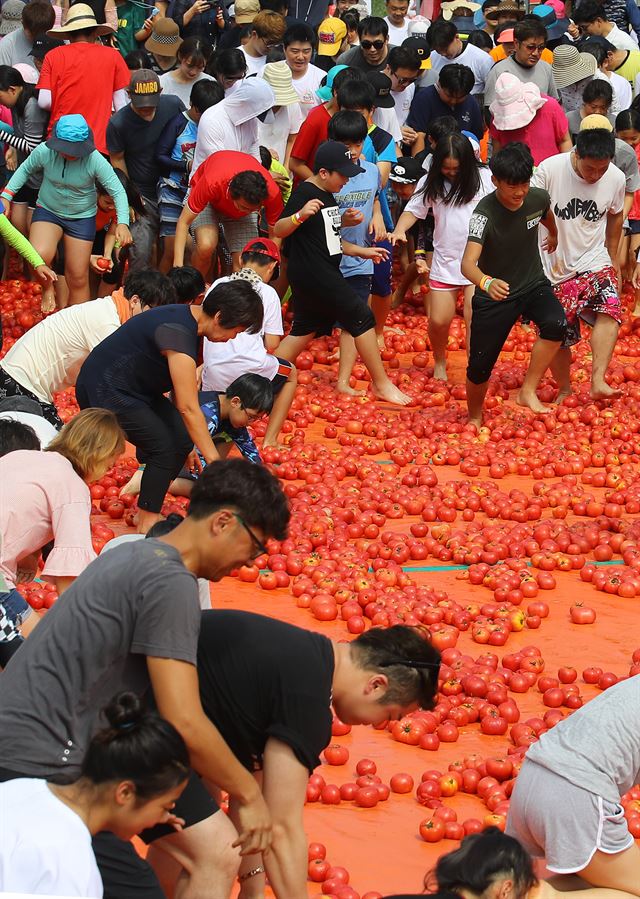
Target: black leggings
point(161, 440)
point(492, 320)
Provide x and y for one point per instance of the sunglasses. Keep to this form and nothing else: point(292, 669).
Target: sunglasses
point(406, 80)
point(259, 549)
point(368, 45)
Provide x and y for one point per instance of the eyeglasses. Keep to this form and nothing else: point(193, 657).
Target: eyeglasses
point(406, 81)
point(410, 663)
point(251, 415)
point(231, 79)
point(368, 45)
point(259, 549)
point(534, 48)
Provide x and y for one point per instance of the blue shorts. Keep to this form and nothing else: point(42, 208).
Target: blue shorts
point(361, 284)
point(16, 608)
point(381, 281)
point(634, 226)
point(81, 229)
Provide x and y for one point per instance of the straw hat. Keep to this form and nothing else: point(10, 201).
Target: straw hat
point(245, 11)
point(448, 8)
point(569, 65)
point(595, 121)
point(505, 8)
point(165, 38)
point(11, 16)
point(80, 16)
point(278, 76)
point(516, 102)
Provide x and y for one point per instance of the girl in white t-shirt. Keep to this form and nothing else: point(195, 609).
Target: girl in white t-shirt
point(132, 774)
point(454, 184)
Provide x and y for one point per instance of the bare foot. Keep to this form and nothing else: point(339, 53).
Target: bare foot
point(440, 370)
point(604, 392)
point(274, 444)
point(48, 301)
point(146, 520)
point(532, 402)
point(562, 393)
point(391, 394)
point(333, 357)
point(380, 340)
point(350, 391)
point(525, 326)
point(132, 486)
point(476, 421)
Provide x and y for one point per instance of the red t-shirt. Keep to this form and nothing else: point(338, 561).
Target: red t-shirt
point(543, 133)
point(82, 79)
point(210, 185)
point(313, 132)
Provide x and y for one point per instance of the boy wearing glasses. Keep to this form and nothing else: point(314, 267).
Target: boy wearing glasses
point(526, 64)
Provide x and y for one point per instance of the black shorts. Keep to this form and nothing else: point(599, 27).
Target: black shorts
point(427, 227)
point(316, 313)
point(27, 195)
point(492, 320)
point(194, 805)
point(381, 281)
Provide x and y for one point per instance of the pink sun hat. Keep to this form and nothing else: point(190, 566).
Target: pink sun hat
point(516, 103)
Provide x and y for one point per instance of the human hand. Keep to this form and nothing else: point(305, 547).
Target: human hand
point(550, 243)
point(498, 290)
point(123, 236)
point(6, 205)
point(45, 274)
point(351, 217)
point(11, 159)
point(175, 822)
point(635, 278)
point(377, 228)
point(283, 182)
point(310, 208)
point(201, 6)
point(378, 254)
point(574, 31)
point(194, 463)
point(397, 237)
point(254, 826)
point(99, 269)
point(25, 575)
point(422, 266)
point(409, 136)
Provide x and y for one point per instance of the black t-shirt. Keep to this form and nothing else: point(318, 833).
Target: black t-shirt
point(129, 366)
point(314, 248)
point(129, 134)
point(510, 240)
point(262, 678)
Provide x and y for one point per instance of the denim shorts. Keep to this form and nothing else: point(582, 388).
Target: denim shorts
point(80, 229)
point(16, 608)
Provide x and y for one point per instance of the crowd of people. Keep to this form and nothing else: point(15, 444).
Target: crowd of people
point(172, 175)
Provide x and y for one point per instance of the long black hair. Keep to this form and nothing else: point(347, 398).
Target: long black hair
point(10, 77)
point(139, 746)
point(467, 184)
point(480, 860)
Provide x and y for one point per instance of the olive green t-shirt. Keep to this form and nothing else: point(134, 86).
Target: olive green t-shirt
point(510, 241)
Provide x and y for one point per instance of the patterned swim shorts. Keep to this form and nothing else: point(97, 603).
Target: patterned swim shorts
point(586, 295)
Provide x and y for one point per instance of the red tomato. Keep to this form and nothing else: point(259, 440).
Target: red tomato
point(316, 850)
point(401, 783)
point(582, 614)
point(432, 830)
point(367, 797)
point(335, 754)
point(317, 870)
point(103, 263)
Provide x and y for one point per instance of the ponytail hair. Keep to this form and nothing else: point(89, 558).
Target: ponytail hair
point(137, 745)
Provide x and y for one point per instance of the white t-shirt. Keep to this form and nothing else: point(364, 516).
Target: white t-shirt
point(48, 357)
point(45, 431)
point(255, 64)
point(451, 229)
point(306, 87)
point(387, 120)
point(274, 135)
point(397, 35)
point(45, 847)
point(224, 362)
point(580, 210)
point(621, 40)
point(204, 593)
point(476, 59)
point(173, 88)
point(403, 102)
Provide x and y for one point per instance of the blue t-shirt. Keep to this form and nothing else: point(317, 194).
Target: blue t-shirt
point(428, 105)
point(360, 193)
point(379, 147)
point(210, 405)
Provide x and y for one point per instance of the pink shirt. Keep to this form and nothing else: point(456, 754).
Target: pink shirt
point(43, 499)
point(542, 135)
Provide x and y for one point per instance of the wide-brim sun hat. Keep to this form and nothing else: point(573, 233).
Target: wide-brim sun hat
point(278, 76)
point(516, 102)
point(165, 38)
point(80, 16)
point(72, 135)
point(418, 26)
point(29, 74)
point(569, 65)
point(505, 8)
point(11, 16)
point(448, 8)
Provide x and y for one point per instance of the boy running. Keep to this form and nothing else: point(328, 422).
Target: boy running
point(503, 260)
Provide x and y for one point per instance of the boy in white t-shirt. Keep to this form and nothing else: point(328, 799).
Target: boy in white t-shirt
point(397, 20)
point(299, 42)
point(224, 362)
point(587, 197)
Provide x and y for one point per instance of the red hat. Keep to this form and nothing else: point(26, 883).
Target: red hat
point(265, 246)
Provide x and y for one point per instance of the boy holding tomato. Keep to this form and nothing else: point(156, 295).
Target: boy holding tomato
point(503, 260)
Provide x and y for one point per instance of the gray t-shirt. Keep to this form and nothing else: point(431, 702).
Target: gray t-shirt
point(136, 601)
point(15, 48)
point(627, 161)
point(540, 74)
point(596, 748)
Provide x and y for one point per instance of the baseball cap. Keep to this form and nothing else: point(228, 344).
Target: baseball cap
point(263, 245)
point(331, 34)
point(246, 11)
point(144, 88)
point(325, 92)
point(381, 84)
point(421, 47)
point(506, 36)
point(597, 39)
point(595, 121)
point(42, 45)
point(406, 170)
point(335, 157)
